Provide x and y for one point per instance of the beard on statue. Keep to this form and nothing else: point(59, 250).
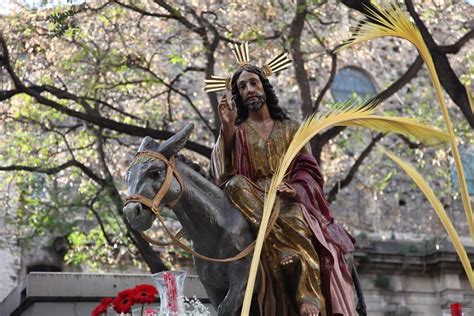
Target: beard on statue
point(255, 102)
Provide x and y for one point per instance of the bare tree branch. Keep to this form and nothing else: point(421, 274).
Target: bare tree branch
point(294, 37)
point(141, 11)
point(54, 170)
point(101, 152)
point(411, 72)
point(332, 74)
point(50, 127)
point(90, 205)
point(51, 170)
point(128, 129)
point(7, 94)
point(456, 47)
point(171, 88)
point(329, 82)
point(331, 196)
point(113, 108)
point(184, 95)
point(319, 141)
point(448, 78)
point(91, 116)
point(410, 144)
point(175, 14)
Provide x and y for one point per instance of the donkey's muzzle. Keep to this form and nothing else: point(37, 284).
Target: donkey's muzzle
point(139, 218)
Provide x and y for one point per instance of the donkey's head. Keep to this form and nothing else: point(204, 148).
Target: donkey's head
point(147, 175)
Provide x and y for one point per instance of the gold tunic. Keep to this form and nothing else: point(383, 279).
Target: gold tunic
point(291, 234)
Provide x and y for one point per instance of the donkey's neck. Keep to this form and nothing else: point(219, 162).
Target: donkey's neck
point(200, 207)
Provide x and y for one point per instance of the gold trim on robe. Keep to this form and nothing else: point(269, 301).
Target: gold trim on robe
point(291, 234)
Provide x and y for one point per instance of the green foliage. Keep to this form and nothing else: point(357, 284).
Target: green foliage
point(177, 59)
point(383, 183)
point(429, 14)
point(88, 247)
point(62, 23)
point(126, 60)
point(468, 78)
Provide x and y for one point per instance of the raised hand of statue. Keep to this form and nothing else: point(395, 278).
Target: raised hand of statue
point(227, 112)
point(286, 191)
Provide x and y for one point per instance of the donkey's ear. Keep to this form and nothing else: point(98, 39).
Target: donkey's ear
point(148, 143)
point(174, 144)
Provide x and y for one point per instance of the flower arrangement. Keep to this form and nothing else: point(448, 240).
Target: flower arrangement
point(194, 307)
point(101, 309)
point(140, 294)
point(172, 300)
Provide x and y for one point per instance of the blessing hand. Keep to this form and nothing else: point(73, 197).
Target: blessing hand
point(227, 112)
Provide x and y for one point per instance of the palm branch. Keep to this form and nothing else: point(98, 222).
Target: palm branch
point(390, 20)
point(343, 115)
point(438, 207)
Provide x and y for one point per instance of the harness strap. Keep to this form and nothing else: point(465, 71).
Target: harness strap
point(240, 255)
point(178, 236)
point(164, 187)
point(135, 198)
point(154, 205)
point(170, 170)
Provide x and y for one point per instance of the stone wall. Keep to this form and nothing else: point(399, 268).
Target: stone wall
point(398, 279)
point(8, 272)
point(411, 278)
point(76, 294)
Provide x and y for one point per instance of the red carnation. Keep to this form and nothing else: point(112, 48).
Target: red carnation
point(124, 301)
point(102, 307)
point(145, 293)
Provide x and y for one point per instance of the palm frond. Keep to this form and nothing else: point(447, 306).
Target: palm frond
point(391, 20)
point(438, 207)
point(343, 115)
point(385, 20)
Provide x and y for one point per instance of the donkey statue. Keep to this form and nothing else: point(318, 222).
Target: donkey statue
point(215, 226)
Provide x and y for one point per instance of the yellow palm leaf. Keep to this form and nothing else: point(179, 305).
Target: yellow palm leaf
point(438, 207)
point(363, 117)
point(390, 20)
point(343, 115)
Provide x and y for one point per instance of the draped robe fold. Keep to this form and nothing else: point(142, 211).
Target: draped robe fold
point(304, 228)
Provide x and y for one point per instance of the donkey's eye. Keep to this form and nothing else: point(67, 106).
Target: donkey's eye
point(156, 173)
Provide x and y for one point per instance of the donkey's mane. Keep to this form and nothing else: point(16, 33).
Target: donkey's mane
point(194, 166)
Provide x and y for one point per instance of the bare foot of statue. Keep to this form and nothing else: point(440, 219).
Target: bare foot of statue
point(308, 310)
point(291, 268)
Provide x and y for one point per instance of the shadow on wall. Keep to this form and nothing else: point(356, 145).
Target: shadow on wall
point(46, 258)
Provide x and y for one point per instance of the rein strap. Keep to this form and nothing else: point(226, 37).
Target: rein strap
point(154, 206)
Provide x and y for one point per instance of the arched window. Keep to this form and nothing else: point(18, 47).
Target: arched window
point(467, 159)
point(350, 82)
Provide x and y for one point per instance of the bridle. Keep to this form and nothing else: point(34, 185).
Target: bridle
point(154, 204)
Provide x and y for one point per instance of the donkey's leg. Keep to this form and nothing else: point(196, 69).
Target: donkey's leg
point(232, 303)
point(215, 295)
point(212, 279)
